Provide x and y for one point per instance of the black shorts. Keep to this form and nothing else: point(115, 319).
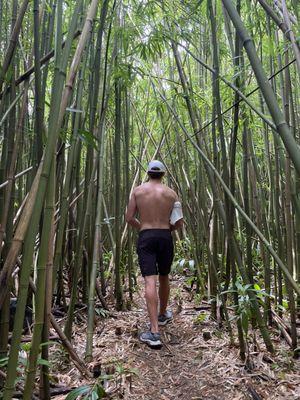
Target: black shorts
point(155, 251)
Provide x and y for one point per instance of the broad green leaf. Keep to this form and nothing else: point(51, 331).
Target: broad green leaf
point(26, 346)
point(88, 138)
point(42, 361)
point(3, 361)
point(100, 391)
point(94, 395)
point(78, 392)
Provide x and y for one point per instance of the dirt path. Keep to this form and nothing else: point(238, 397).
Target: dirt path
point(187, 367)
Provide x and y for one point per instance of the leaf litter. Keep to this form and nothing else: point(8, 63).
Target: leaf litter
point(187, 367)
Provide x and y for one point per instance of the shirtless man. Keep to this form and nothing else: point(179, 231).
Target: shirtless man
point(154, 203)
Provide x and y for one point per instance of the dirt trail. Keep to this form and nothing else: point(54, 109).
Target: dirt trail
point(187, 367)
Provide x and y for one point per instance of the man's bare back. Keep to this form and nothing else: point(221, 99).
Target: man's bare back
point(154, 203)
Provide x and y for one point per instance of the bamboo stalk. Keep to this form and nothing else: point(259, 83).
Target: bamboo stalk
point(96, 256)
point(43, 259)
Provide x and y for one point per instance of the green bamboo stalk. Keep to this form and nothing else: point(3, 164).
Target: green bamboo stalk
point(40, 298)
point(96, 254)
point(217, 110)
point(44, 387)
point(69, 175)
point(46, 46)
point(288, 214)
point(117, 181)
point(97, 246)
point(38, 99)
point(127, 184)
point(232, 185)
point(9, 199)
point(78, 257)
point(289, 253)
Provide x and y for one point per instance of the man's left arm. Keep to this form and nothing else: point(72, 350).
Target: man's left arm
point(131, 212)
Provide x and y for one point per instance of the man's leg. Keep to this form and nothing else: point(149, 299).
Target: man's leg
point(152, 301)
point(164, 292)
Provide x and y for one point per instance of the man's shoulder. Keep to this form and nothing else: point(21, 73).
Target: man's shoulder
point(171, 192)
point(140, 188)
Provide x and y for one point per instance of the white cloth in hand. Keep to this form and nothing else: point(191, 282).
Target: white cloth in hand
point(176, 213)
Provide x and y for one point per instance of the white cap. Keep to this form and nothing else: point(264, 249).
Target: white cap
point(156, 166)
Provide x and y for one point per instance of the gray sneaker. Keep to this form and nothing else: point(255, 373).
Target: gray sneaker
point(152, 339)
point(163, 319)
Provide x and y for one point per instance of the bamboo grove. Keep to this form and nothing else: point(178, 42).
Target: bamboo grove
point(90, 91)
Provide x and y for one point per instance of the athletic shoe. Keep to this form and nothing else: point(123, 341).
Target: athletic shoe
point(152, 339)
point(163, 319)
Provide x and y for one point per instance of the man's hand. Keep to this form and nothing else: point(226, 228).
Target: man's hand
point(131, 212)
point(178, 225)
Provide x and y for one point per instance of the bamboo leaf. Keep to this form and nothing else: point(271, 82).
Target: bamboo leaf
point(94, 395)
point(78, 392)
point(42, 361)
point(88, 138)
point(3, 362)
point(100, 391)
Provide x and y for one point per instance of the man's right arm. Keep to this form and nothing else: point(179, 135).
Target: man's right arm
point(131, 212)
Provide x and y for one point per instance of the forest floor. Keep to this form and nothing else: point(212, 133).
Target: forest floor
point(187, 367)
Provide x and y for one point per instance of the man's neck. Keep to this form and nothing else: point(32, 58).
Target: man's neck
point(155, 181)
